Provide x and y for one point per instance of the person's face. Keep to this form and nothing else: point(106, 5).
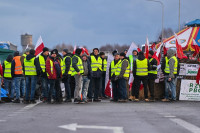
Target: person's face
point(54, 55)
point(103, 56)
point(46, 53)
point(125, 52)
point(64, 53)
point(96, 52)
point(116, 57)
point(27, 53)
point(134, 52)
point(121, 57)
point(84, 58)
point(150, 55)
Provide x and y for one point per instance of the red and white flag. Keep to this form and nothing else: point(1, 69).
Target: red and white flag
point(84, 50)
point(179, 49)
point(147, 49)
point(196, 47)
point(138, 49)
point(74, 49)
point(39, 46)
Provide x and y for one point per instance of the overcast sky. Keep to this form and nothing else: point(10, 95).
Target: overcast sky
point(90, 22)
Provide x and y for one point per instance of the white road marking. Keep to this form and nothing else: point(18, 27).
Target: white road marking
point(74, 126)
point(190, 127)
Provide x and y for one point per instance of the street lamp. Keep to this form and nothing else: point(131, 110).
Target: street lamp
point(179, 16)
point(162, 16)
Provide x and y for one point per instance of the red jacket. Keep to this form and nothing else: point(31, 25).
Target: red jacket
point(48, 68)
point(1, 70)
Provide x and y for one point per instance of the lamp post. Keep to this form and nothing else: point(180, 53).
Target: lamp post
point(179, 16)
point(162, 16)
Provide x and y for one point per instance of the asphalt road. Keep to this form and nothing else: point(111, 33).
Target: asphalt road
point(104, 117)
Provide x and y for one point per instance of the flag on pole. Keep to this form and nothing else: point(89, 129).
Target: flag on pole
point(157, 54)
point(26, 46)
point(196, 48)
point(147, 48)
point(153, 47)
point(74, 49)
point(84, 50)
point(138, 49)
point(39, 46)
point(179, 49)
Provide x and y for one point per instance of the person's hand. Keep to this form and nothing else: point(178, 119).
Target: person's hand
point(79, 73)
point(169, 79)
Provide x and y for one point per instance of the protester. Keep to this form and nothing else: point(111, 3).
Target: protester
point(44, 80)
point(170, 69)
point(17, 74)
point(77, 71)
point(152, 74)
point(1, 74)
point(54, 73)
point(31, 69)
point(86, 77)
point(67, 71)
point(122, 73)
point(104, 67)
point(112, 76)
point(8, 82)
point(140, 71)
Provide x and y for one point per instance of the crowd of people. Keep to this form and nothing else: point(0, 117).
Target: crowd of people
point(84, 76)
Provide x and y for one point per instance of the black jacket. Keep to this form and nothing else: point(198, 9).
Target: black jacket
point(140, 57)
point(36, 63)
point(9, 59)
point(89, 69)
point(43, 74)
point(153, 66)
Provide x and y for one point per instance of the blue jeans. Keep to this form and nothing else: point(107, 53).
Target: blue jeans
point(51, 90)
point(86, 83)
point(172, 86)
point(17, 82)
point(122, 89)
point(31, 82)
point(22, 86)
point(44, 87)
point(8, 84)
point(67, 88)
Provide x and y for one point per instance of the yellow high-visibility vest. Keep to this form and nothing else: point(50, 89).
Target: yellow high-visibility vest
point(79, 65)
point(64, 65)
point(127, 72)
point(7, 71)
point(42, 63)
point(104, 65)
point(29, 67)
point(167, 70)
point(114, 67)
point(142, 67)
point(96, 64)
point(152, 71)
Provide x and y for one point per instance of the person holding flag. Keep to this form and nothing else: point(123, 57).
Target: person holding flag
point(152, 74)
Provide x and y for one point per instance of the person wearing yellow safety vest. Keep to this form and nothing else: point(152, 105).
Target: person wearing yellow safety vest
point(17, 74)
point(104, 67)
point(67, 71)
point(1, 74)
point(8, 82)
point(171, 70)
point(152, 74)
point(54, 74)
point(122, 73)
point(31, 70)
point(140, 72)
point(77, 71)
point(96, 65)
point(43, 75)
point(112, 71)
point(132, 58)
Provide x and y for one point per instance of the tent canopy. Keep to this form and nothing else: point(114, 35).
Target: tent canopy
point(4, 53)
point(193, 23)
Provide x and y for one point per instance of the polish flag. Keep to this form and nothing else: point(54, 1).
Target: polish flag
point(196, 47)
point(39, 46)
point(153, 47)
point(138, 49)
point(179, 49)
point(147, 49)
point(84, 50)
point(74, 49)
point(157, 54)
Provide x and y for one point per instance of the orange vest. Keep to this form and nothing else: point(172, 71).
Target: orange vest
point(18, 65)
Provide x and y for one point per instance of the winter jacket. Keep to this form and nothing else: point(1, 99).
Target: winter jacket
point(13, 70)
point(113, 76)
point(98, 73)
point(123, 68)
point(74, 62)
point(9, 59)
point(140, 57)
point(1, 70)
point(67, 63)
point(153, 66)
point(42, 74)
point(48, 68)
point(36, 63)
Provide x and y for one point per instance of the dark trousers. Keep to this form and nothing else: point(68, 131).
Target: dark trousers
point(103, 85)
point(133, 88)
point(58, 91)
point(67, 88)
point(51, 89)
point(96, 85)
point(90, 90)
point(151, 85)
point(115, 90)
point(138, 80)
point(122, 89)
point(72, 85)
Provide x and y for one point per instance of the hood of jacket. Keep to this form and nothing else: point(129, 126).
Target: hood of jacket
point(171, 52)
point(141, 57)
point(29, 57)
point(9, 58)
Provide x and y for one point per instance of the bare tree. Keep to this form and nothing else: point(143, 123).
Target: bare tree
point(62, 46)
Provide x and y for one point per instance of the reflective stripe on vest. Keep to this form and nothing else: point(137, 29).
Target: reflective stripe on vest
point(152, 71)
point(18, 65)
point(167, 70)
point(119, 68)
point(96, 64)
point(7, 71)
point(42, 63)
point(142, 67)
point(79, 65)
point(64, 65)
point(29, 67)
point(114, 67)
point(104, 65)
